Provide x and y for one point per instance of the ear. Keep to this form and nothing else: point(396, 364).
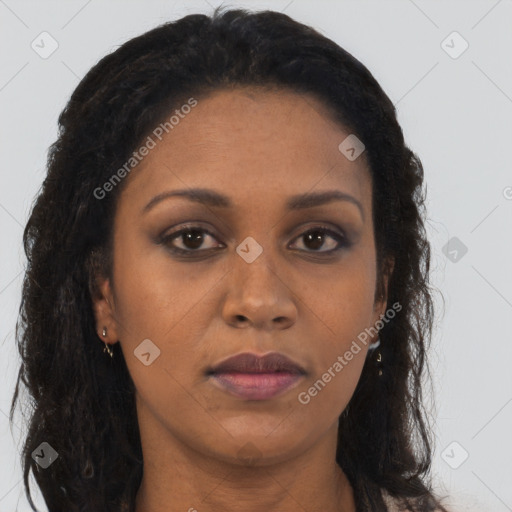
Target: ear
point(381, 302)
point(104, 311)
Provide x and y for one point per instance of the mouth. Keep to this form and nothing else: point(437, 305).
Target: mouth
point(251, 377)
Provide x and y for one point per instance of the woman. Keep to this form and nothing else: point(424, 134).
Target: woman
point(226, 304)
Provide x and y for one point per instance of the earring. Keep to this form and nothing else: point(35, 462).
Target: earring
point(378, 358)
point(107, 348)
point(379, 363)
point(373, 346)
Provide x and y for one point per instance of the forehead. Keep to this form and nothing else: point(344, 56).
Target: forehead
point(254, 145)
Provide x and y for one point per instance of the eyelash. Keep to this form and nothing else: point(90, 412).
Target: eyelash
point(166, 240)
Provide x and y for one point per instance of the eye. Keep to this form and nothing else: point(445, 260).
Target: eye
point(315, 238)
point(193, 237)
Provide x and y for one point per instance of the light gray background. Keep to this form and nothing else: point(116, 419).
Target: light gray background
point(456, 115)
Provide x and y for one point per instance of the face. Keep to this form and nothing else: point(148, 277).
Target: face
point(253, 272)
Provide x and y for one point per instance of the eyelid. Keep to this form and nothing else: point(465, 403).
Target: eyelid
point(340, 235)
point(166, 235)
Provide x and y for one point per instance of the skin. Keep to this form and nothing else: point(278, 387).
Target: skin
point(203, 448)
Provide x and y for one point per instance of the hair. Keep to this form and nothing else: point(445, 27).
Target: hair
point(82, 401)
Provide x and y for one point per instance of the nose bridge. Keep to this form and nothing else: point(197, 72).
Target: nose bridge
point(258, 293)
point(255, 270)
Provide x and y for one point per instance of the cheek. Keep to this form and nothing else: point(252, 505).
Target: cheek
point(171, 305)
point(344, 302)
point(344, 314)
point(340, 351)
point(327, 393)
point(152, 292)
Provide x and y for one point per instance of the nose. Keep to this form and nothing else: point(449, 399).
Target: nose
point(259, 297)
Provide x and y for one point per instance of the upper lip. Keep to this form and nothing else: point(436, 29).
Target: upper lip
point(251, 363)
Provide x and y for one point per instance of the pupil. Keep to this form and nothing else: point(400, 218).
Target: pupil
point(196, 240)
point(317, 241)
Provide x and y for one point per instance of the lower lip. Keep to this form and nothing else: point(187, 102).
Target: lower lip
point(256, 386)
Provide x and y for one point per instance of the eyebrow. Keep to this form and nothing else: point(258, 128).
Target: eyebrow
point(215, 199)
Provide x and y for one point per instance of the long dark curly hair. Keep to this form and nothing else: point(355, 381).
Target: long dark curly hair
point(81, 401)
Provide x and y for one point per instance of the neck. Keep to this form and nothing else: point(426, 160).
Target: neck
point(179, 479)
